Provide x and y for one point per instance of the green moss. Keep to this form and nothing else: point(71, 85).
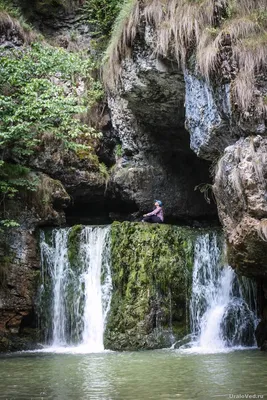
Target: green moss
point(151, 272)
point(74, 245)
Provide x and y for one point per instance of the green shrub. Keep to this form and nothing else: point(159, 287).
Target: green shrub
point(102, 14)
point(38, 94)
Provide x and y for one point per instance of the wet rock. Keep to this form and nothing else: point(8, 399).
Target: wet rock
point(45, 205)
point(19, 279)
point(208, 116)
point(78, 173)
point(261, 335)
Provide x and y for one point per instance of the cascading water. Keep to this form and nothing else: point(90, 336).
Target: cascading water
point(222, 308)
point(78, 288)
point(97, 296)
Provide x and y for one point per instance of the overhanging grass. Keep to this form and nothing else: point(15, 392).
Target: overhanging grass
point(183, 26)
point(123, 34)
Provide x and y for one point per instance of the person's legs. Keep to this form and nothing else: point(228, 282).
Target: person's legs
point(153, 219)
point(147, 219)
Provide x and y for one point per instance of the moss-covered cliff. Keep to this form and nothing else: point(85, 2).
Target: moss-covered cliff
point(151, 275)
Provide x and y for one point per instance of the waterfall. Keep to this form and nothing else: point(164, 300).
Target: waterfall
point(78, 286)
point(222, 307)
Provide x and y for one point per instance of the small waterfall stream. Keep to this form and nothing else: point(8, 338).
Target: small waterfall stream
point(78, 295)
point(222, 307)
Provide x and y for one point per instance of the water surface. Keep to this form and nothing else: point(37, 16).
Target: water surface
point(156, 375)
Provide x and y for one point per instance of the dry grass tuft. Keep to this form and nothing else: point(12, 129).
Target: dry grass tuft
point(123, 35)
point(243, 90)
point(262, 229)
point(224, 178)
point(16, 27)
point(179, 24)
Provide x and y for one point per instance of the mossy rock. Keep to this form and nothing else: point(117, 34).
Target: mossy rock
point(151, 274)
point(74, 238)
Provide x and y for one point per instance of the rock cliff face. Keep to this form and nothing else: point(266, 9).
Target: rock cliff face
point(62, 21)
point(223, 86)
point(61, 178)
point(221, 82)
point(240, 182)
point(148, 116)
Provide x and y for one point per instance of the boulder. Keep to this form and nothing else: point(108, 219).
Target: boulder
point(241, 196)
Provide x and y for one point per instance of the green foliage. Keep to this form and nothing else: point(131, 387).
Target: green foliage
point(38, 94)
point(5, 6)
point(14, 177)
point(102, 14)
point(103, 170)
point(118, 151)
point(40, 100)
point(9, 223)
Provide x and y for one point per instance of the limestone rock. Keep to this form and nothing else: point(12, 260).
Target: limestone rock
point(62, 21)
point(79, 175)
point(43, 206)
point(240, 190)
point(208, 116)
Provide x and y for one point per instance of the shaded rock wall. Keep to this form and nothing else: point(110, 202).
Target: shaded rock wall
point(225, 113)
point(19, 272)
point(61, 21)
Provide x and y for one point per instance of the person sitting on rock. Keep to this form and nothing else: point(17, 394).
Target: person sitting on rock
point(155, 216)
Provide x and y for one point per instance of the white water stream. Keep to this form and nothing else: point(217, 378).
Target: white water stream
point(222, 307)
point(80, 293)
